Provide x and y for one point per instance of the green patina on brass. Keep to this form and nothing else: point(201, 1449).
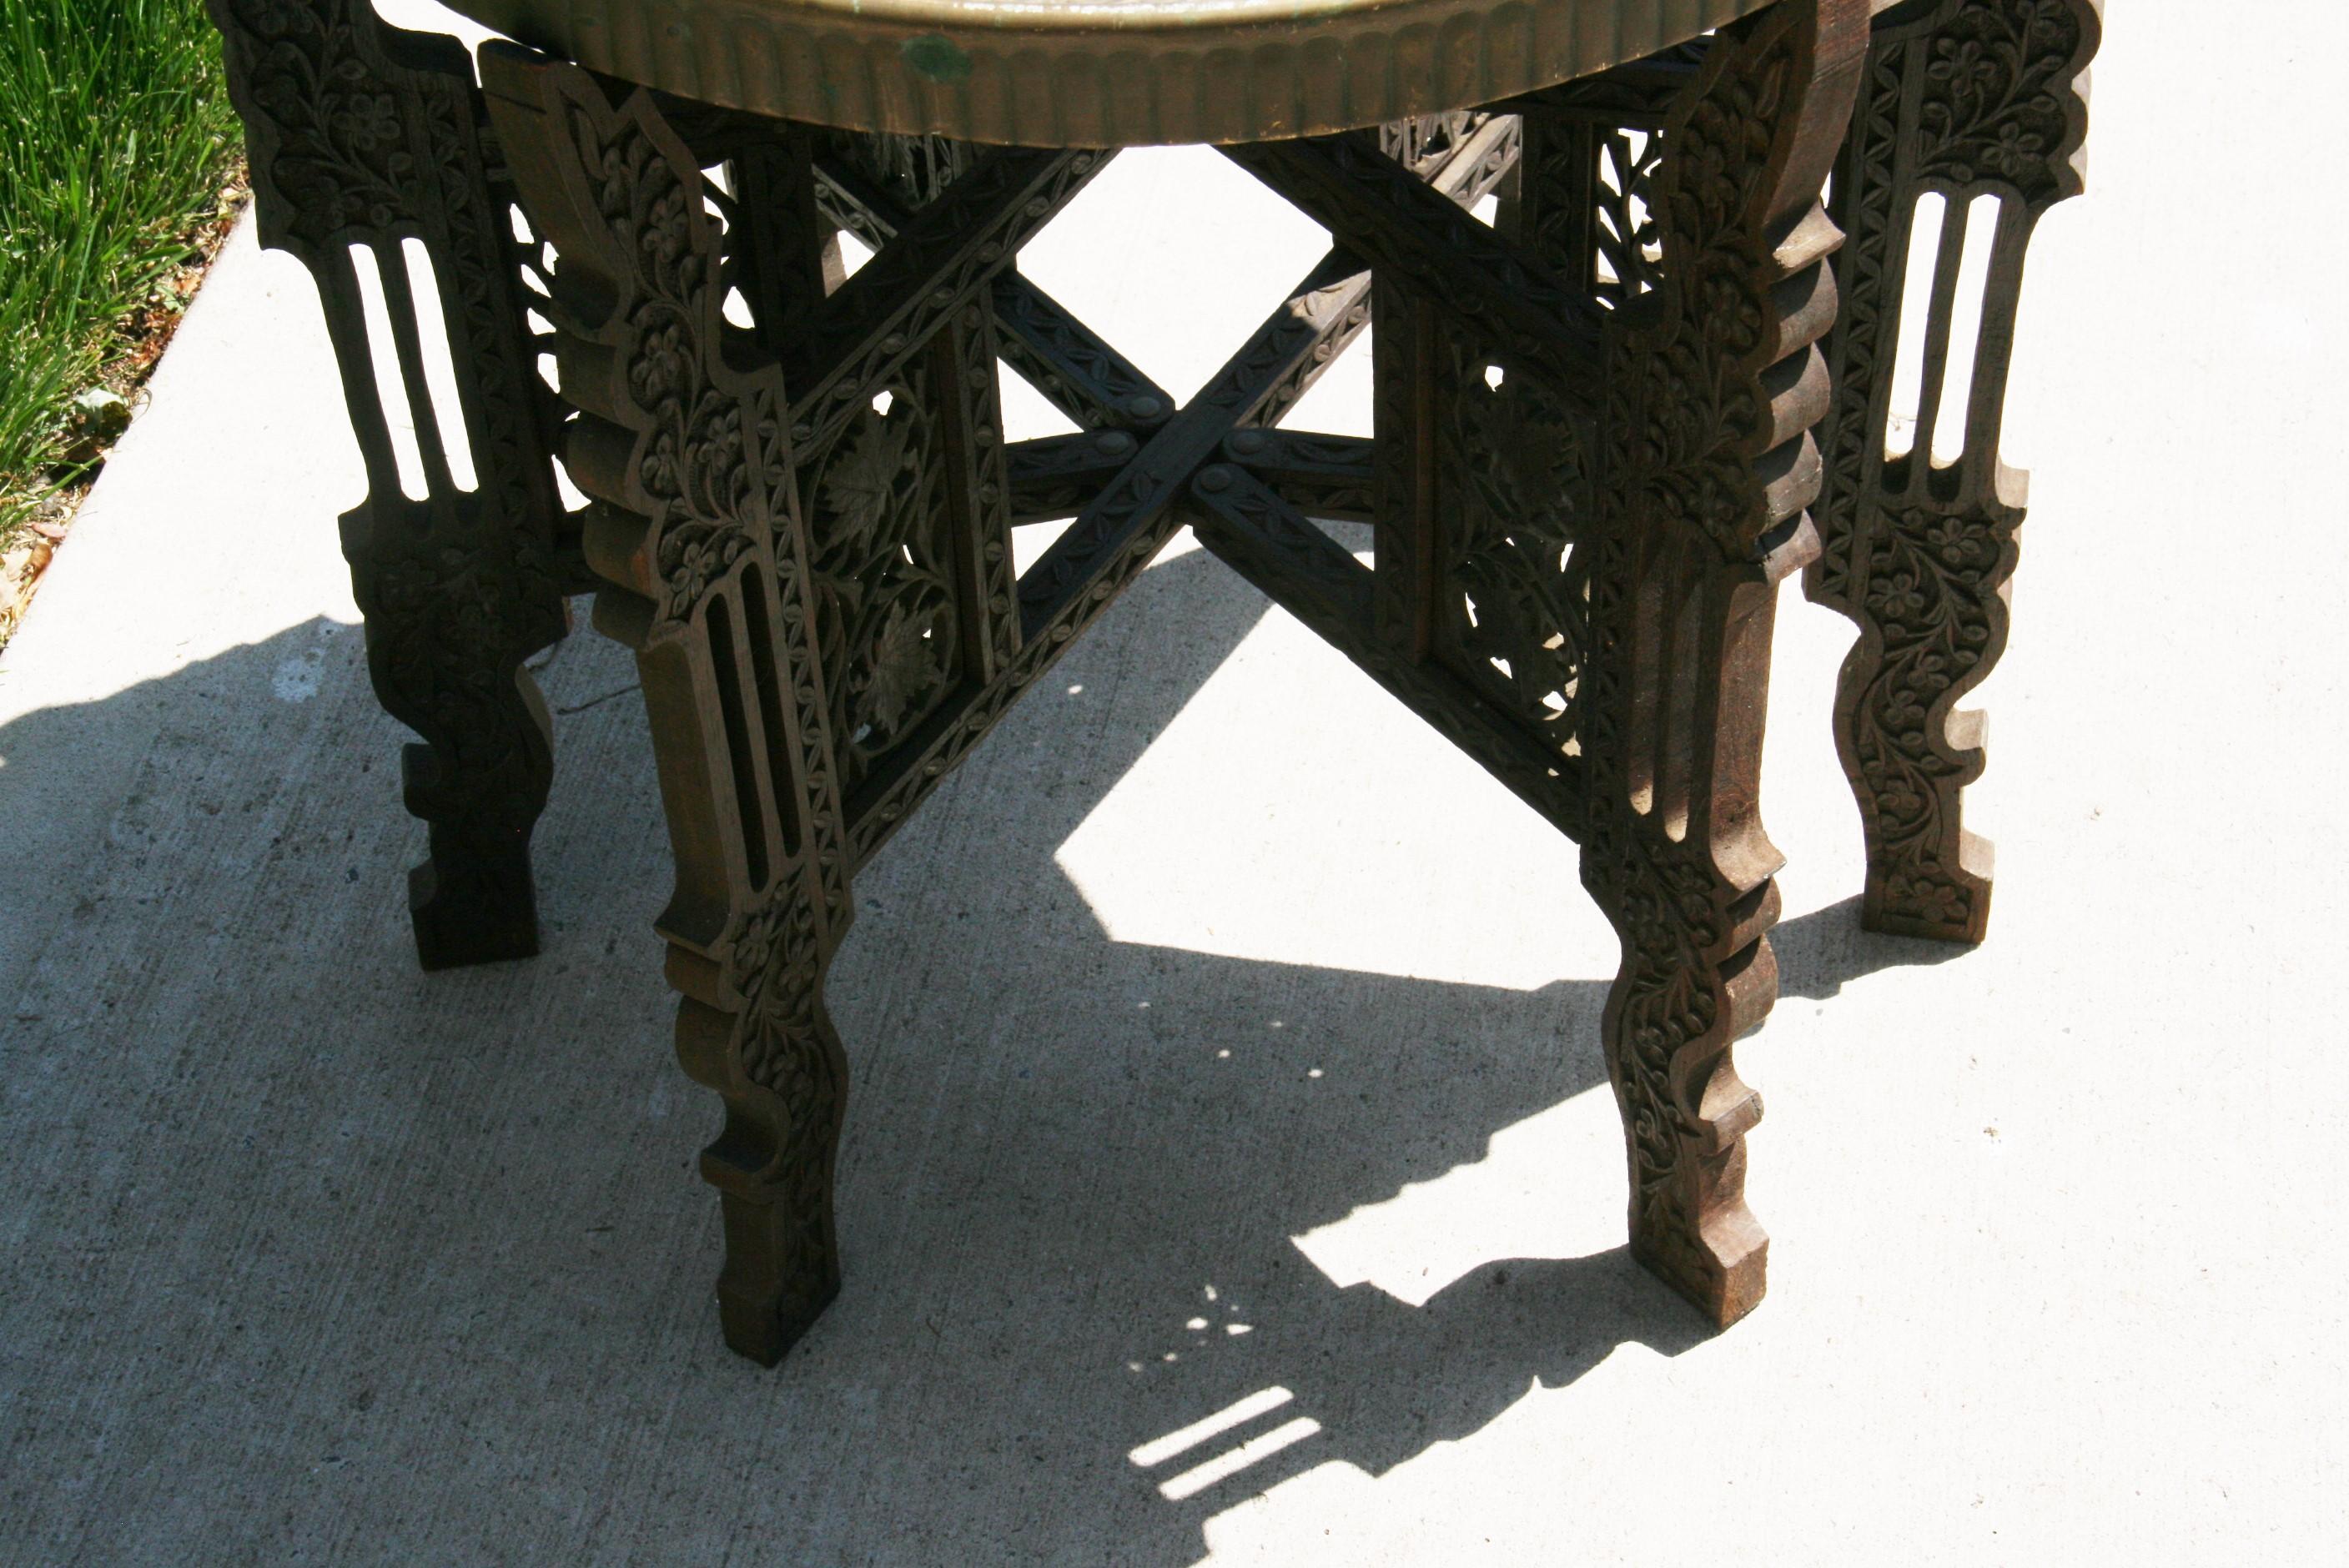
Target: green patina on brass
point(936, 56)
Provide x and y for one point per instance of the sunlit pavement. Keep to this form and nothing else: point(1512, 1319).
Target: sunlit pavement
point(1230, 1173)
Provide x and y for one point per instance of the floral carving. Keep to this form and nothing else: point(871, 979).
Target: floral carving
point(700, 528)
point(1686, 535)
point(1625, 244)
point(1969, 97)
point(1998, 100)
point(1700, 409)
point(881, 546)
point(1509, 487)
point(343, 158)
point(361, 135)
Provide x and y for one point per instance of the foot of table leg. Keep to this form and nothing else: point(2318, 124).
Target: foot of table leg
point(1918, 516)
point(784, 1077)
point(1933, 619)
point(1684, 877)
point(471, 901)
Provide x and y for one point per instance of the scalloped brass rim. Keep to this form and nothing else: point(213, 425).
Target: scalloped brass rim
point(1101, 73)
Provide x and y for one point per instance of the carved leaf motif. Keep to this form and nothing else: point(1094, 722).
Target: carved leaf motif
point(905, 664)
point(880, 529)
point(861, 484)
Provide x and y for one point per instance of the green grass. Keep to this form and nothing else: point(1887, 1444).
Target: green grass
point(115, 134)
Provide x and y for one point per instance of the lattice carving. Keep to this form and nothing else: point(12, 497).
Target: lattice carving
point(1130, 516)
point(1627, 239)
point(913, 170)
point(1424, 144)
point(980, 489)
point(1316, 580)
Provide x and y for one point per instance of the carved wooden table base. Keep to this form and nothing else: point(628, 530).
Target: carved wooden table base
point(1595, 449)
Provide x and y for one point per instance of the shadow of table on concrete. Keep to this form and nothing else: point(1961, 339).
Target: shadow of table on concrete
point(314, 1252)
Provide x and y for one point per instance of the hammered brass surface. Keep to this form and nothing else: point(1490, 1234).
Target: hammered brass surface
point(1101, 73)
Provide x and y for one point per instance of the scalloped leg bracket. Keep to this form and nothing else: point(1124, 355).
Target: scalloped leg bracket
point(1953, 168)
point(1694, 530)
point(370, 161)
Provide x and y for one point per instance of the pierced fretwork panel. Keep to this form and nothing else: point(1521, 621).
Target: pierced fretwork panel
point(904, 494)
point(1507, 477)
point(1585, 204)
point(1969, 126)
point(1424, 144)
point(1625, 238)
point(1508, 486)
point(911, 169)
point(882, 549)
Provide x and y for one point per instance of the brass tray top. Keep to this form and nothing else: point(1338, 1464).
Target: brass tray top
point(1101, 73)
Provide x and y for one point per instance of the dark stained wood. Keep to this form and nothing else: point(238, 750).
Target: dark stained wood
point(360, 136)
point(1964, 99)
point(1593, 458)
point(1692, 534)
point(1316, 579)
point(1592, 573)
point(701, 542)
point(948, 252)
point(1082, 374)
point(1381, 211)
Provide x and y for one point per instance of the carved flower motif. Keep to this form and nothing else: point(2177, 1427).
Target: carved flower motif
point(666, 235)
point(1925, 897)
point(1896, 597)
point(1955, 543)
point(1965, 65)
point(775, 966)
point(369, 121)
point(659, 368)
point(1903, 718)
point(658, 472)
point(2015, 152)
point(718, 477)
point(1731, 311)
point(692, 561)
point(1899, 805)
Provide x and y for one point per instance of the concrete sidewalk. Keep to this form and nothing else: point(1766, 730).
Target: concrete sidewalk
point(1190, 1091)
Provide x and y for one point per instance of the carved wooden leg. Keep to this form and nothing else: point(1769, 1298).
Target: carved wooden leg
point(697, 534)
point(1977, 109)
point(371, 164)
point(1706, 463)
